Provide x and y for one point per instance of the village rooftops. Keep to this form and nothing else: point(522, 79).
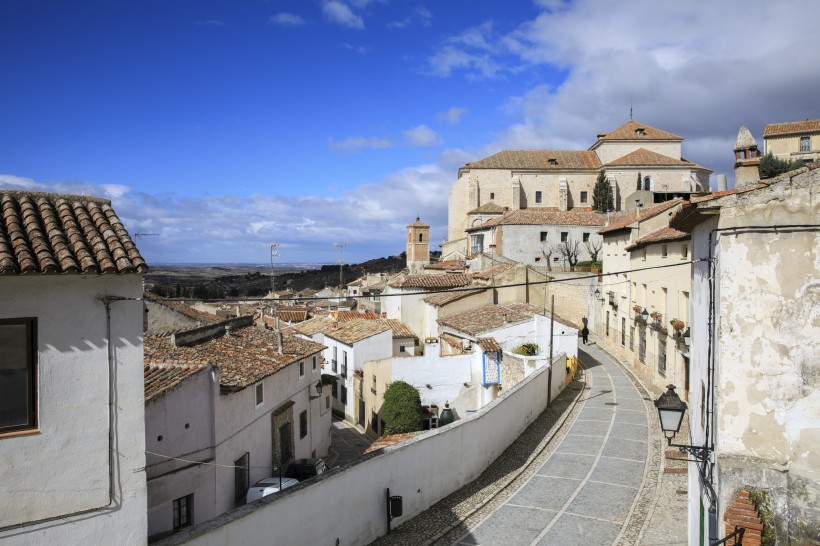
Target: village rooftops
point(489, 317)
point(545, 216)
point(539, 160)
point(63, 234)
point(626, 220)
point(663, 235)
point(646, 158)
point(160, 378)
point(791, 128)
point(244, 356)
point(429, 282)
point(353, 331)
point(441, 299)
point(632, 130)
point(400, 329)
point(316, 325)
point(488, 345)
point(183, 308)
point(447, 265)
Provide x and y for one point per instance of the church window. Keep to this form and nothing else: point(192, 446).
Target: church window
point(421, 237)
point(647, 183)
point(584, 197)
point(804, 144)
point(538, 197)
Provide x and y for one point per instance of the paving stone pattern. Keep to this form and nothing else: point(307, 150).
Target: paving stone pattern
point(585, 472)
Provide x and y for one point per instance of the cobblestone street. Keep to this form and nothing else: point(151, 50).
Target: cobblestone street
point(584, 472)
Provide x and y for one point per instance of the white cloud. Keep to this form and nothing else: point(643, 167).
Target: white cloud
point(287, 19)
point(341, 14)
point(11, 182)
point(357, 144)
point(699, 73)
point(452, 116)
point(422, 136)
point(361, 50)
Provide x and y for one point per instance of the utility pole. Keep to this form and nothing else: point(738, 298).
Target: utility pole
point(341, 247)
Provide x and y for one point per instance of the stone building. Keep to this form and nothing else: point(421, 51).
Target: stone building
point(747, 158)
point(794, 140)
point(418, 246)
point(564, 179)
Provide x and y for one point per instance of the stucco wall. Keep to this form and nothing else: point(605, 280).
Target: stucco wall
point(65, 467)
point(475, 443)
point(610, 150)
point(571, 296)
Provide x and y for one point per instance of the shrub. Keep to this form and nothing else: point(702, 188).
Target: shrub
point(526, 349)
point(402, 408)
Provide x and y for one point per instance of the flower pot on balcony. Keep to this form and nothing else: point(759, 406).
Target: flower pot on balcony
point(677, 324)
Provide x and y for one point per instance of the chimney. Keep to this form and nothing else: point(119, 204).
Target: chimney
point(721, 182)
point(280, 341)
point(261, 322)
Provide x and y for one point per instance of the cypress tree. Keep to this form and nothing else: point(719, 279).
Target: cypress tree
point(601, 194)
point(639, 181)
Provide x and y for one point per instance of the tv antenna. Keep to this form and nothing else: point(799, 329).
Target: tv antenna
point(341, 246)
point(138, 234)
point(274, 253)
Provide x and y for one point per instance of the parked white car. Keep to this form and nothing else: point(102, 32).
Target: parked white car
point(269, 486)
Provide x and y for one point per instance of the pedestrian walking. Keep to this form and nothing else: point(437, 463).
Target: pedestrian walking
point(585, 334)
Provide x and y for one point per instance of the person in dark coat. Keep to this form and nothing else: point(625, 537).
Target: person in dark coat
point(585, 334)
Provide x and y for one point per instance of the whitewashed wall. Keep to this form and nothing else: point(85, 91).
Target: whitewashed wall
point(64, 468)
point(474, 443)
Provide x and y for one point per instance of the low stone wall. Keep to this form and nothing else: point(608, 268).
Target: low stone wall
point(347, 504)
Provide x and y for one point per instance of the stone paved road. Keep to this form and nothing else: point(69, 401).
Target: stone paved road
point(585, 490)
point(347, 443)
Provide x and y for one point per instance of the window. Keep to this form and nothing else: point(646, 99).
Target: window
point(661, 355)
point(285, 448)
point(421, 237)
point(538, 197)
point(343, 394)
point(805, 145)
point(373, 388)
point(183, 512)
point(623, 331)
point(553, 161)
point(643, 254)
point(607, 324)
point(564, 236)
point(684, 251)
point(476, 244)
point(303, 424)
point(302, 369)
point(584, 197)
point(631, 338)
point(241, 476)
point(314, 363)
point(543, 236)
point(344, 363)
point(492, 195)
point(260, 394)
point(402, 349)
point(663, 251)
point(647, 183)
point(585, 237)
point(18, 374)
point(374, 421)
point(327, 398)
point(334, 389)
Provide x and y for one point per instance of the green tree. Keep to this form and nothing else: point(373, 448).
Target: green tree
point(401, 409)
point(638, 187)
point(602, 194)
point(771, 166)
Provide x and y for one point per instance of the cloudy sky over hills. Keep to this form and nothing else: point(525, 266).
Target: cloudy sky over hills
point(223, 126)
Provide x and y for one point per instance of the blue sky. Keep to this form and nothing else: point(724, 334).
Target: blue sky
point(223, 126)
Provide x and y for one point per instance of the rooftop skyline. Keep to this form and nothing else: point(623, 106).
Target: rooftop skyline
point(224, 126)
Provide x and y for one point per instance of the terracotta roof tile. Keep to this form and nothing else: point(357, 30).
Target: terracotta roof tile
point(447, 265)
point(632, 130)
point(443, 298)
point(538, 159)
point(316, 325)
point(664, 234)
point(489, 208)
point(791, 128)
point(291, 314)
point(488, 274)
point(489, 317)
point(546, 216)
point(244, 357)
point(391, 439)
point(400, 329)
point(626, 219)
point(429, 282)
point(52, 233)
point(488, 344)
point(160, 378)
point(183, 308)
point(353, 331)
point(646, 158)
point(343, 316)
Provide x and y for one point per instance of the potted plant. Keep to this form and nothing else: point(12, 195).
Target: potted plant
point(637, 309)
point(663, 330)
point(677, 324)
point(654, 315)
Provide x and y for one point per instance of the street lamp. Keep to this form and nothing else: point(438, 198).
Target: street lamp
point(318, 386)
point(670, 412)
point(597, 294)
point(645, 314)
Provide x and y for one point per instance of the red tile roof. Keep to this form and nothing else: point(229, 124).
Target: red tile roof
point(489, 208)
point(159, 378)
point(52, 233)
point(183, 308)
point(386, 441)
point(447, 265)
point(353, 331)
point(244, 357)
point(538, 159)
point(343, 316)
point(791, 128)
point(662, 235)
point(546, 217)
point(429, 282)
point(488, 344)
point(291, 314)
point(631, 131)
point(646, 158)
point(626, 219)
point(400, 329)
point(489, 317)
point(488, 274)
point(443, 298)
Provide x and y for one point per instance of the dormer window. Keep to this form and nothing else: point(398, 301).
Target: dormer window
point(640, 131)
point(553, 161)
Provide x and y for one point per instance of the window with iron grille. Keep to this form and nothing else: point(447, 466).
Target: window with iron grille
point(476, 244)
point(241, 476)
point(623, 332)
point(303, 424)
point(662, 356)
point(183, 512)
point(642, 345)
point(18, 374)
